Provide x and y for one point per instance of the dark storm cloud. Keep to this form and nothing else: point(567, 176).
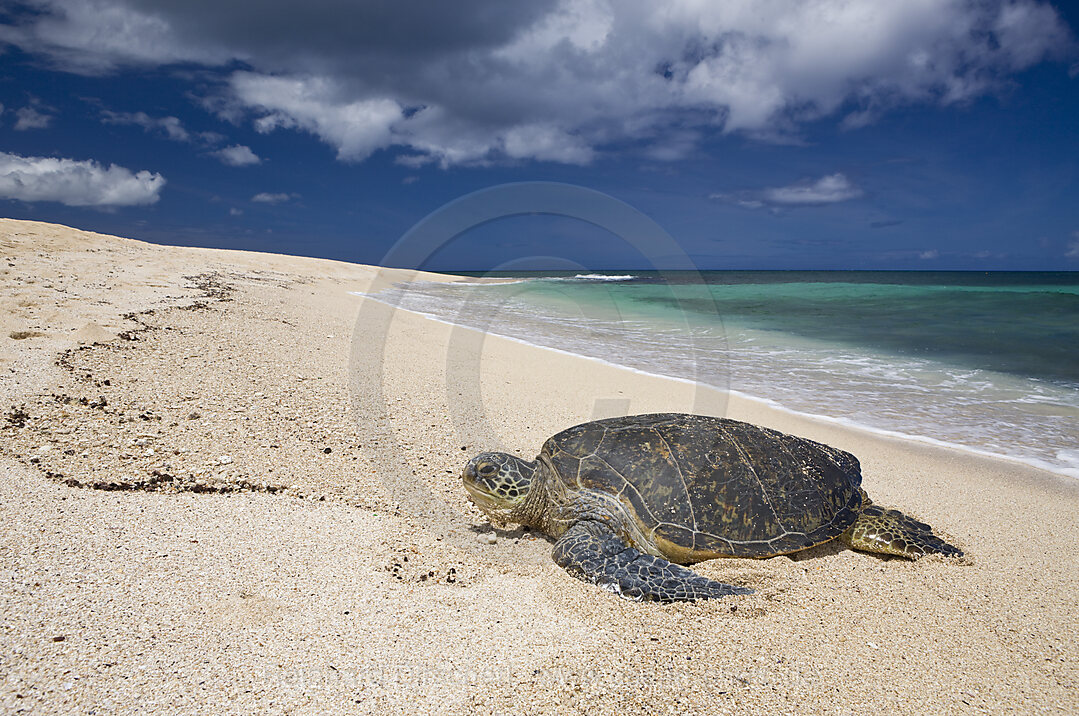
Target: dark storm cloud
point(338, 32)
point(378, 42)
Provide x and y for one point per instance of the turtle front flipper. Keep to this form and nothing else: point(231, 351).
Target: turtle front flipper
point(887, 531)
point(591, 552)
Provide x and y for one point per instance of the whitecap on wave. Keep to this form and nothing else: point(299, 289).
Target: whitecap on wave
point(596, 277)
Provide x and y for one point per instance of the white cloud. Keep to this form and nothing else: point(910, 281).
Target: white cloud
point(1027, 31)
point(826, 190)
point(268, 198)
point(829, 189)
point(172, 127)
point(355, 128)
point(928, 255)
point(1073, 246)
point(744, 199)
point(30, 118)
point(673, 145)
point(545, 143)
point(237, 156)
point(236, 212)
point(76, 183)
point(557, 80)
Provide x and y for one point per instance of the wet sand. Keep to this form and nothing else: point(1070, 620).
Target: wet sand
point(227, 485)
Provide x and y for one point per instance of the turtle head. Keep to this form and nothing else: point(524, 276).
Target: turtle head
point(498, 483)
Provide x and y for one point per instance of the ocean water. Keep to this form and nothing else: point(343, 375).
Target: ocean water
point(984, 361)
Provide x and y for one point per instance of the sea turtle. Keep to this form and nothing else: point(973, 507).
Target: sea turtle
point(627, 497)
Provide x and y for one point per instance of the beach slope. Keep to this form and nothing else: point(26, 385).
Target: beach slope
point(230, 484)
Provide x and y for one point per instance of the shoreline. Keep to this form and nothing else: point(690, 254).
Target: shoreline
point(1033, 463)
point(306, 545)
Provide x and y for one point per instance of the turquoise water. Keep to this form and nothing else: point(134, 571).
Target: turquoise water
point(984, 361)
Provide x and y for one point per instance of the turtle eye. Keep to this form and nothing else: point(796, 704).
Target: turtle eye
point(487, 470)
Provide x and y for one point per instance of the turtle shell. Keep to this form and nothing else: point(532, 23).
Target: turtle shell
point(704, 487)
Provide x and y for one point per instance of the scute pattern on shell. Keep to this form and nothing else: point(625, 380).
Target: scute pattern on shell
point(713, 486)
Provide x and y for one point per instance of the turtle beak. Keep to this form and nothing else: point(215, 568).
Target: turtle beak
point(470, 478)
point(471, 481)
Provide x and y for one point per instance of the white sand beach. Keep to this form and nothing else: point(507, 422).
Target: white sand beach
point(230, 485)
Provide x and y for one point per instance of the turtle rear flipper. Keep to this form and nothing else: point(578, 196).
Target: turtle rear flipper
point(591, 552)
point(885, 531)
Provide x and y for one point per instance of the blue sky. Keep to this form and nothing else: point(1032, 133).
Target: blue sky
point(928, 134)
